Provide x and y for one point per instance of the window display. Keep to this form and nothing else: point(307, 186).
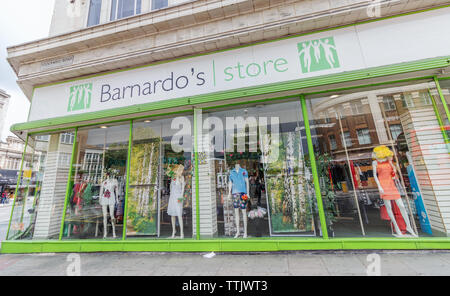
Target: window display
point(260, 161)
point(38, 206)
point(96, 201)
point(371, 179)
point(160, 185)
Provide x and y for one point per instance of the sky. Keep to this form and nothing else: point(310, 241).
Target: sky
point(21, 21)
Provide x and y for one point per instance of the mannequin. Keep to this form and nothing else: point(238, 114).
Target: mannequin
point(78, 192)
point(238, 188)
point(175, 207)
point(109, 198)
point(384, 173)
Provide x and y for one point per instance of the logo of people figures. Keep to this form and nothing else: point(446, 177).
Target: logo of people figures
point(80, 97)
point(318, 55)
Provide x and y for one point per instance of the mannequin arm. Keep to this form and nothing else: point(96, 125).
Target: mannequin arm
point(374, 168)
point(183, 184)
point(247, 183)
point(230, 185)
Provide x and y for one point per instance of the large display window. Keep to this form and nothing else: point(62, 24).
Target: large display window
point(254, 172)
point(378, 154)
point(95, 205)
point(160, 186)
point(381, 161)
point(38, 205)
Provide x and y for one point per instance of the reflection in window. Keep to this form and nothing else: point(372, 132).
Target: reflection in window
point(389, 103)
point(67, 138)
point(372, 190)
point(357, 108)
point(333, 143)
point(40, 198)
point(262, 188)
point(363, 136)
point(125, 8)
point(160, 200)
point(95, 8)
point(396, 130)
point(97, 197)
point(407, 100)
point(347, 139)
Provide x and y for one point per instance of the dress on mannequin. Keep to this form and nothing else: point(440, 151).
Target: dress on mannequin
point(108, 196)
point(385, 173)
point(175, 208)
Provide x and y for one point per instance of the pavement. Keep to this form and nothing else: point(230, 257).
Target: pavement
point(317, 263)
point(329, 263)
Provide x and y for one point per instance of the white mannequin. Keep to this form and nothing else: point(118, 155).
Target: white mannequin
point(236, 210)
point(388, 204)
point(180, 178)
point(109, 202)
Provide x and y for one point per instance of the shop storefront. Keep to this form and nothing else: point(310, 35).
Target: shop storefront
point(331, 140)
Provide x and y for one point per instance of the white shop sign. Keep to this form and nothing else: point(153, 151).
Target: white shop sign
point(397, 40)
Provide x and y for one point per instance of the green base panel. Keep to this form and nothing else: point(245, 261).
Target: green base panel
point(240, 245)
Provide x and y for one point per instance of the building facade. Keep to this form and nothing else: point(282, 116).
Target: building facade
point(4, 103)
point(244, 125)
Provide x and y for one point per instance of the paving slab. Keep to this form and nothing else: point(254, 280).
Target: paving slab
point(229, 264)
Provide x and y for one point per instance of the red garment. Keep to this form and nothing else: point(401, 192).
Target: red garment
point(397, 215)
point(385, 173)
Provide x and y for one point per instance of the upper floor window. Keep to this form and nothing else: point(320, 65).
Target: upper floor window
point(158, 4)
point(125, 8)
point(95, 9)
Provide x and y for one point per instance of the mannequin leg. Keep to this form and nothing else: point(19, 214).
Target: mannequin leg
point(174, 230)
point(180, 221)
point(244, 216)
point(111, 213)
point(402, 208)
point(105, 221)
point(236, 217)
point(388, 205)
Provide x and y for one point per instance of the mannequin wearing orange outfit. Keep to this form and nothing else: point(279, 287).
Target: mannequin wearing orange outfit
point(384, 174)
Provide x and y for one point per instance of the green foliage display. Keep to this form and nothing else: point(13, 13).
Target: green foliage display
point(328, 196)
point(289, 203)
point(143, 194)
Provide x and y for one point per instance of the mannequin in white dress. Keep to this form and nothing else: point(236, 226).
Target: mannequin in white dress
point(109, 198)
point(175, 207)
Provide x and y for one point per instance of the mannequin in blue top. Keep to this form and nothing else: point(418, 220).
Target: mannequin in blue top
point(238, 189)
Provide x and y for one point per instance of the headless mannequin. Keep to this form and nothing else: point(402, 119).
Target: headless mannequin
point(111, 204)
point(388, 203)
point(179, 176)
point(236, 210)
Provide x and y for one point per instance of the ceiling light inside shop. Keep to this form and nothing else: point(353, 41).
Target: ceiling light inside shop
point(147, 121)
point(103, 126)
point(334, 96)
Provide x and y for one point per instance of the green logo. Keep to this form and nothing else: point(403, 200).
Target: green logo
point(80, 97)
point(318, 55)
